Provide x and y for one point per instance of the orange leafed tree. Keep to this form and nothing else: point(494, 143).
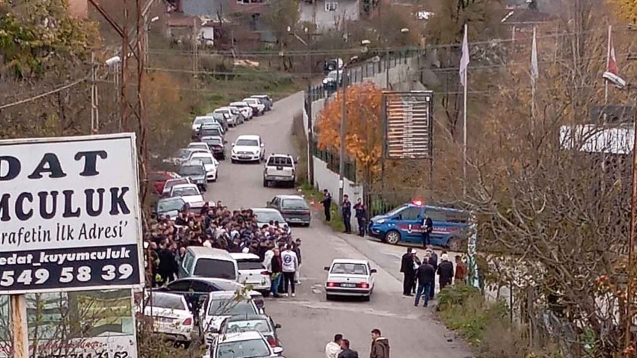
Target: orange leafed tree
point(363, 137)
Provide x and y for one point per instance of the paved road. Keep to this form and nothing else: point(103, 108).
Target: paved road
point(308, 320)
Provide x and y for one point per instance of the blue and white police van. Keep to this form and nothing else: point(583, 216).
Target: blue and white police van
point(404, 224)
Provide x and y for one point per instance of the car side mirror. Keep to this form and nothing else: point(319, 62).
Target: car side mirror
point(277, 326)
point(233, 144)
point(277, 350)
point(326, 268)
point(373, 271)
point(226, 142)
point(262, 145)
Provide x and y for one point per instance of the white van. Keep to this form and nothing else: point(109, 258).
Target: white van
point(200, 261)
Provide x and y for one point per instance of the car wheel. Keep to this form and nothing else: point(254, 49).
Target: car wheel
point(328, 297)
point(233, 161)
point(367, 298)
point(392, 237)
point(457, 244)
point(265, 183)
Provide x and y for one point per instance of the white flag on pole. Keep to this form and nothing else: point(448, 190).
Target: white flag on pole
point(535, 71)
point(464, 61)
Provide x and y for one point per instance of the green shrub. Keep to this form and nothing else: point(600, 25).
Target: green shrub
point(456, 294)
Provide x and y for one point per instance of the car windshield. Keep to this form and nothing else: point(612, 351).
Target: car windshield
point(252, 348)
point(192, 170)
point(205, 160)
point(215, 269)
point(213, 141)
point(172, 302)
point(212, 132)
point(349, 269)
point(218, 116)
point(223, 111)
point(186, 191)
point(184, 153)
point(247, 143)
point(267, 216)
point(294, 204)
point(396, 211)
point(231, 307)
point(250, 264)
point(251, 100)
point(198, 121)
point(165, 205)
point(257, 325)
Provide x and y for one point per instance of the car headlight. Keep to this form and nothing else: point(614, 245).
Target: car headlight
point(256, 152)
point(381, 221)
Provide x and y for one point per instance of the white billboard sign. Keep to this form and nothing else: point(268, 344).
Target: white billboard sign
point(69, 214)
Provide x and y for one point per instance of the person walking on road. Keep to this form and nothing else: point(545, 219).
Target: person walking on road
point(361, 217)
point(333, 348)
point(327, 204)
point(276, 268)
point(346, 210)
point(346, 352)
point(290, 264)
point(433, 260)
point(380, 345)
point(407, 269)
point(426, 276)
point(445, 271)
point(297, 250)
point(427, 229)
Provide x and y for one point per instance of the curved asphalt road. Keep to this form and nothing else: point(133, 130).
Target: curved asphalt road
point(308, 320)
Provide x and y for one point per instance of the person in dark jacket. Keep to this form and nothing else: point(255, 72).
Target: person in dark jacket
point(433, 260)
point(361, 217)
point(445, 271)
point(346, 352)
point(297, 250)
point(407, 269)
point(426, 275)
point(276, 269)
point(327, 204)
point(346, 211)
point(427, 229)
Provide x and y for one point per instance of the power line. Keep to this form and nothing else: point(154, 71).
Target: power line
point(30, 99)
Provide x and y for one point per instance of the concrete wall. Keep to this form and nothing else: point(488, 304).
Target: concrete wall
point(399, 79)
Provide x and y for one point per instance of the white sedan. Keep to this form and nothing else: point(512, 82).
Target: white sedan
point(348, 277)
point(209, 162)
point(246, 344)
point(189, 192)
point(252, 272)
point(169, 315)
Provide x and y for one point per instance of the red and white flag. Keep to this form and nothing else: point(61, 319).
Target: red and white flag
point(611, 63)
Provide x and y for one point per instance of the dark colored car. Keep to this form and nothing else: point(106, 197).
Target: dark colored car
point(198, 288)
point(293, 208)
point(215, 118)
point(217, 145)
point(213, 131)
point(169, 206)
point(159, 178)
point(253, 323)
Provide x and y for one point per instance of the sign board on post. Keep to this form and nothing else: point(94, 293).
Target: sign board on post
point(69, 214)
point(408, 121)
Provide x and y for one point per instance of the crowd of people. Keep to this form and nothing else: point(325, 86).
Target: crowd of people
point(217, 226)
point(420, 275)
point(341, 347)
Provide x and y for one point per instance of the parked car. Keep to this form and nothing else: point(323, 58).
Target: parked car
point(172, 182)
point(169, 207)
point(248, 148)
point(196, 171)
point(349, 277)
point(294, 209)
point(198, 145)
point(267, 101)
point(255, 103)
point(211, 131)
point(244, 108)
point(279, 168)
point(252, 272)
point(159, 178)
point(247, 344)
point(189, 192)
point(219, 118)
point(209, 162)
point(259, 323)
point(234, 117)
point(169, 315)
point(265, 216)
point(221, 305)
point(217, 146)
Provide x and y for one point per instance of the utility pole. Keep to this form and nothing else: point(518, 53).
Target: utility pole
point(195, 48)
point(95, 116)
point(310, 125)
point(341, 155)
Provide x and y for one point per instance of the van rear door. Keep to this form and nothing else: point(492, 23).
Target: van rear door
point(280, 166)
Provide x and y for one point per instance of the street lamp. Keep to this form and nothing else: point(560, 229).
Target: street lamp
point(622, 84)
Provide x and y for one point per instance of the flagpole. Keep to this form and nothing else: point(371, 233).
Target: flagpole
point(464, 132)
point(610, 29)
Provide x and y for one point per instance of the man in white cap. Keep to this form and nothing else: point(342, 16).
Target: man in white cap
point(445, 270)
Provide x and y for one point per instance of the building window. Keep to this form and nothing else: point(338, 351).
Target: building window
point(331, 6)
